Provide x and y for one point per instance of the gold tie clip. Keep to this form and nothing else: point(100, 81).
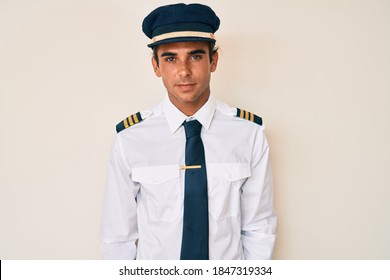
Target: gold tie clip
point(184, 167)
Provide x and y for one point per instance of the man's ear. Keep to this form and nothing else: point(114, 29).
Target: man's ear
point(156, 67)
point(214, 61)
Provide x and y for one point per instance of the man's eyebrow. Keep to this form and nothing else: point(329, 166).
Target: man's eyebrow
point(168, 54)
point(190, 53)
point(197, 52)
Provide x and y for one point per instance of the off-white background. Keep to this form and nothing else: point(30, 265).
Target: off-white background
point(318, 72)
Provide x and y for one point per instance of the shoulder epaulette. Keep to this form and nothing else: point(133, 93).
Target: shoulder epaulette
point(129, 121)
point(249, 116)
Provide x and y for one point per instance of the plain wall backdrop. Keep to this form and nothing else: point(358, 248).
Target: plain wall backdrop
point(318, 72)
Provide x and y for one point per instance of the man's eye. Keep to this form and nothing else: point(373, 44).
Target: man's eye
point(196, 57)
point(170, 59)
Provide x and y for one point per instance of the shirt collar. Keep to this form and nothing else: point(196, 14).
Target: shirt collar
point(175, 117)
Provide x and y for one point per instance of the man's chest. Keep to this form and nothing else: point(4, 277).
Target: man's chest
point(156, 145)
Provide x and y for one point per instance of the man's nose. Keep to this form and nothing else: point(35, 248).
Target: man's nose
point(184, 69)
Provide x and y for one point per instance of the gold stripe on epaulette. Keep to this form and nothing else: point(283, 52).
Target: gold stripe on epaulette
point(135, 118)
point(130, 119)
point(125, 123)
point(242, 114)
point(252, 117)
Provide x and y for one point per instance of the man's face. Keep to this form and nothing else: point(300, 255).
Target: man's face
point(185, 69)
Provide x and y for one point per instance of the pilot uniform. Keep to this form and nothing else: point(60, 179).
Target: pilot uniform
point(144, 196)
point(142, 215)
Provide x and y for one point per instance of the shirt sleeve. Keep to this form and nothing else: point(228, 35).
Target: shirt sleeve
point(119, 231)
point(258, 216)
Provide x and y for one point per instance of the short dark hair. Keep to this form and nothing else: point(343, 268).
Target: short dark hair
point(212, 51)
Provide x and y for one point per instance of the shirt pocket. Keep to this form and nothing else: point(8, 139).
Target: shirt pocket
point(161, 191)
point(224, 188)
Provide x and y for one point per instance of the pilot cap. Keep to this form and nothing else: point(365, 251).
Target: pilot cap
point(180, 23)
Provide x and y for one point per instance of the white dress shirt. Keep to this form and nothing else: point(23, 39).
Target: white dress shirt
point(142, 214)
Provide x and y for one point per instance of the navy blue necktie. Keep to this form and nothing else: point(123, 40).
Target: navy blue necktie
point(195, 243)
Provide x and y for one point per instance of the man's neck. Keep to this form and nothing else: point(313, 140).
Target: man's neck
point(189, 108)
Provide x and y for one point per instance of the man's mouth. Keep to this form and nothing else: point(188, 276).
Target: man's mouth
point(185, 86)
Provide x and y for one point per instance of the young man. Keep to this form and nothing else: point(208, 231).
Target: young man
point(189, 178)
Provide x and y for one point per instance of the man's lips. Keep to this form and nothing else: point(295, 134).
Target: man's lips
point(185, 86)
